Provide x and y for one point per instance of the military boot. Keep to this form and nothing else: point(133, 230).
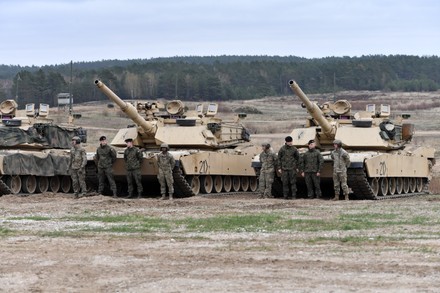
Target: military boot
point(346, 197)
point(76, 195)
point(336, 197)
point(114, 194)
point(163, 197)
point(171, 196)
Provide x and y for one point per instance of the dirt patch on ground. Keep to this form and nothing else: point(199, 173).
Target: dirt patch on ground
point(54, 243)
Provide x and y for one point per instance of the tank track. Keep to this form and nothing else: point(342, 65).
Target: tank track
point(181, 186)
point(358, 182)
point(4, 189)
point(91, 177)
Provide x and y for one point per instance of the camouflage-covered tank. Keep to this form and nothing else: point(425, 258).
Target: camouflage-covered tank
point(384, 163)
point(212, 156)
point(34, 151)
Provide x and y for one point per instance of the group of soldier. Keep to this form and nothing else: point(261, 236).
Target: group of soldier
point(106, 156)
point(289, 162)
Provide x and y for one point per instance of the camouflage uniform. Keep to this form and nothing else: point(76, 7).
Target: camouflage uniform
point(166, 163)
point(77, 169)
point(133, 160)
point(268, 161)
point(311, 164)
point(288, 161)
point(106, 156)
point(341, 160)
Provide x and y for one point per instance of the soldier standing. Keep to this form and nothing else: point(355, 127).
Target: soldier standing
point(165, 163)
point(341, 160)
point(105, 157)
point(77, 167)
point(268, 161)
point(133, 160)
point(311, 165)
point(288, 161)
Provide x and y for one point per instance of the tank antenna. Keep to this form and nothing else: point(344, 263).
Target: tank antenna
point(70, 88)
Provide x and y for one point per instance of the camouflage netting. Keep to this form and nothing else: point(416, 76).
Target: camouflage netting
point(32, 163)
point(49, 136)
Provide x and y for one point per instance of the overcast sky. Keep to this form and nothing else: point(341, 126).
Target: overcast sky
point(48, 32)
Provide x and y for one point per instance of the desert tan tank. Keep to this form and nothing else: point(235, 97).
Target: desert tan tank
point(384, 163)
point(212, 156)
point(34, 151)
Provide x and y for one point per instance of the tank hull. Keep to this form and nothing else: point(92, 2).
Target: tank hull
point(28, 172)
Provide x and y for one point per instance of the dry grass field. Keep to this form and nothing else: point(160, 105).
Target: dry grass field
point(54, 243)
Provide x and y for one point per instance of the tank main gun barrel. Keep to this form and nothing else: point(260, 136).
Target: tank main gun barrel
point(127, 108)
point(312, 108)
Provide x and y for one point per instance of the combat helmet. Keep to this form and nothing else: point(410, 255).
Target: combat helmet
point(76, 139)
point(164, 145)
point(338, 142)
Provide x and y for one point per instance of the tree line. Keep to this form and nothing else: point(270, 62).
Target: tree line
point(219, 78)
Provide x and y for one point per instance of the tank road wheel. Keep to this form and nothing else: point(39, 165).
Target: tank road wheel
point(206, 184)
point(405, 184)
point(227, 183)
point(42, 184)
point(54, 184)
point(253, 183)
point(374, 184)
point(412, 184)
point(194, 182)
point(29, 184)
point(66, 184)
point(391, 186)
point(14, 183)
point(383, 186)
point(419, 184)
point(244, 183)
point(218, 183)
point(399, 185)
point(236, 183)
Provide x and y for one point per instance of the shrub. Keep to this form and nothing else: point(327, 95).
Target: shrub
point(247, 110)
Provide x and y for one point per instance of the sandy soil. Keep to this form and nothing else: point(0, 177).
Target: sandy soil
point(33, 260)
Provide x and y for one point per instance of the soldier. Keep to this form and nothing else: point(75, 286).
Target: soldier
point(311, 165)
point(341, 160)
point(288, 161)
point(133, 160)
point(77, 167)
point(105, 157)
point(165, 163)
point(268, 161)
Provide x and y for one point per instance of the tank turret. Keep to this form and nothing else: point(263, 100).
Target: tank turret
point(196, 128)
point(369, 129)
point(35, 129)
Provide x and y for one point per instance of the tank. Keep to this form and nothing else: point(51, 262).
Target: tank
point(212, 156)
point(384, 163)
point(34, 151)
